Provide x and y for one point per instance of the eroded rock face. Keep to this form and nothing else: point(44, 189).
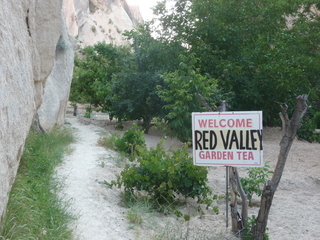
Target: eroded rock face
point(56, 93)
point(96, 21)
point(29, 33)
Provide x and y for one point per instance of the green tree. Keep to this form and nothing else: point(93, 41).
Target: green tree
point(262, 51)
point(135, 95)
point(181, 96)
point(93, 74)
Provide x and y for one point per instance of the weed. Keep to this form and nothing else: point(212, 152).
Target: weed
point(102, 164)
point(34, 210)
point(109, 141)
point(134, 216)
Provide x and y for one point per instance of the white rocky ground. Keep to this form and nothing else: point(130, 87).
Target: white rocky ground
point(294, 213)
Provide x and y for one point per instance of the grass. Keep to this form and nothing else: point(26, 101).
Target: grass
point(108, 141)
point(35, 210)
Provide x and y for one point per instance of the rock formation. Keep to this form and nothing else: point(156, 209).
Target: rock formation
point(29, 33)
point(93, 21)
point(56, 93)
point(37, 63)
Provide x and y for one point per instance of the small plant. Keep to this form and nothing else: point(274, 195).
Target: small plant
point(102, 164)
point(119, 127)
point(247, 231)
point(93, 29)
point(256, 177)
point(165, 176)
point(132, 138)
point(134, 216)
point(88, 113)
point(109, 141)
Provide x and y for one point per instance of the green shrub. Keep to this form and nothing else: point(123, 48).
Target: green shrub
point(132, 137)
point(256, 177)
point(166, 176)
point(307, 130)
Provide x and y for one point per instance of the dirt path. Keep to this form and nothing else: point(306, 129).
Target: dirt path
point(92, 202)
point(294, 213)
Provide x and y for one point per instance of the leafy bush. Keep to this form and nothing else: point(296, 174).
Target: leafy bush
point(181, 96)
point(307, 129)
point(165, 176)
point(132, 137)
point(256, 177)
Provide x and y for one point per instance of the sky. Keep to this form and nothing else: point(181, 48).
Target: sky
point(144, 6)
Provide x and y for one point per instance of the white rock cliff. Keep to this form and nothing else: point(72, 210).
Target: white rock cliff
point(29, 33)
point(100, 20)
point(36, 64)
point(56, 92)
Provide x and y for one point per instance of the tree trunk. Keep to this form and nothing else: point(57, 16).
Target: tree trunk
point(290, 130)
point(237, 221)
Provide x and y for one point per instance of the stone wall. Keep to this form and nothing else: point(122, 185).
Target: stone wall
point(29, 33)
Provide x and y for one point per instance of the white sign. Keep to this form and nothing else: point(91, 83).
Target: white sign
point(227, 139)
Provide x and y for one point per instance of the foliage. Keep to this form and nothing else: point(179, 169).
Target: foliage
point(35, 211)
point(135, 95)
point(181, 96)
point(132, 138)
point(256, 177)
point(307, 130)
point(165, 176)
point(311, 121)
point(247, 234)
point(251, 47)
point(316, 120)
point(88, 113)
point(93, 74)
point(135, 98)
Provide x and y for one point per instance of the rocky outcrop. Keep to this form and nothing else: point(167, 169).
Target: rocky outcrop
point(93, 21)
point(29, 33)
point(56, 93)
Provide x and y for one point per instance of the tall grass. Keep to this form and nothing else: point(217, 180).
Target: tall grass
point(34, 210)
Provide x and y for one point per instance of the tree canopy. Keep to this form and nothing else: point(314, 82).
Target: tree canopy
point(261, 51)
